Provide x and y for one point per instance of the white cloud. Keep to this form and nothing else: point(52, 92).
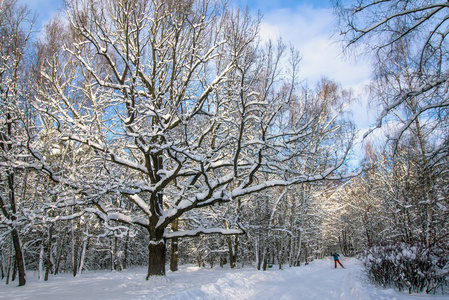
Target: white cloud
point(44, 8)
point(311, 30)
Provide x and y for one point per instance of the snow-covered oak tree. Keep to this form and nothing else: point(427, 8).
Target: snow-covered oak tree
point(168, 107)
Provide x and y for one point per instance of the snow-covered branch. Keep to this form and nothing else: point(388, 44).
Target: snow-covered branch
point(198, 231)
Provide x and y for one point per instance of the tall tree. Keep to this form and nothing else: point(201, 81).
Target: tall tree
point(171, 107)
point(415, 30)
point(411, 50)
point(15, 30)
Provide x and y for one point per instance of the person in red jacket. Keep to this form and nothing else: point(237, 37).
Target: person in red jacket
point(336, 260)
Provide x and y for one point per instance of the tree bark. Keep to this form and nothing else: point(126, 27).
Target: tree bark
point(41, 262)
point(19, 257)
point(125, 255)
point(14, 233)
point(174, 257)
point(83, 254)
point(156, 261)
point(60, 251)
point(299, 246)
point(1, 267)
point(48, 261)
point(10, 264)
point(74, 252)
point(257, 250)
point(156, 253)
point(232, 254)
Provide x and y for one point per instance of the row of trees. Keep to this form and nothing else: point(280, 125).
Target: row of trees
point(399, 207)
point(408, 177)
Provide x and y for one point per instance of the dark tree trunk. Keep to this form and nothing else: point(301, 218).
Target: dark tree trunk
point(157, 245)
point(60, 251)
point(14, 269)
point(265, 260)
point(156, 261)
point(1, 267)
point(15, 234)
point(232, 253)
point(125, 256)
point(49, 263)
point(19, 257)
point(74, 253)
point(236, 248)
point(117, 263)
point(174, 257)
point(10, 265)
point(156, 253)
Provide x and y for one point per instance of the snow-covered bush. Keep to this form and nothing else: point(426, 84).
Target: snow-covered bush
point(415, 268)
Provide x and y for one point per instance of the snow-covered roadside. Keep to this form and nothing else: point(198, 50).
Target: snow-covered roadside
point(314, 281)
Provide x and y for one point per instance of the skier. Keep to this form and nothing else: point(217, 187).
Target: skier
point(336, 260)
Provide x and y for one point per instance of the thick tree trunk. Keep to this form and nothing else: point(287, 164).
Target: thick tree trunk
point(157, 245)
point(156, 261)
point(174, 257)
point(156, 254)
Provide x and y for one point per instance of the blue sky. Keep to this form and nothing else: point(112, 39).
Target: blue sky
point(48, 7)
point(306, 24)
point(265, 5)
point(45, 8)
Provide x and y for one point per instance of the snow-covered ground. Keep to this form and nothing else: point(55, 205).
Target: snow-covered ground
point(314, 281)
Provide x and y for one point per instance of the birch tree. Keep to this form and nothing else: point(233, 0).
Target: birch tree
point(410, 46)
point(173, 106)
point(409, 37)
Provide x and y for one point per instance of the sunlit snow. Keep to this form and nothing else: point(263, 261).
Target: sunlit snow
point(318, 280)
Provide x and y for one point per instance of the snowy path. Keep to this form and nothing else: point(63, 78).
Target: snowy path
point(319, 280)
point(314, 281)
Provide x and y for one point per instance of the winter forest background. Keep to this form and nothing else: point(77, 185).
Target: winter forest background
point(146, 133)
